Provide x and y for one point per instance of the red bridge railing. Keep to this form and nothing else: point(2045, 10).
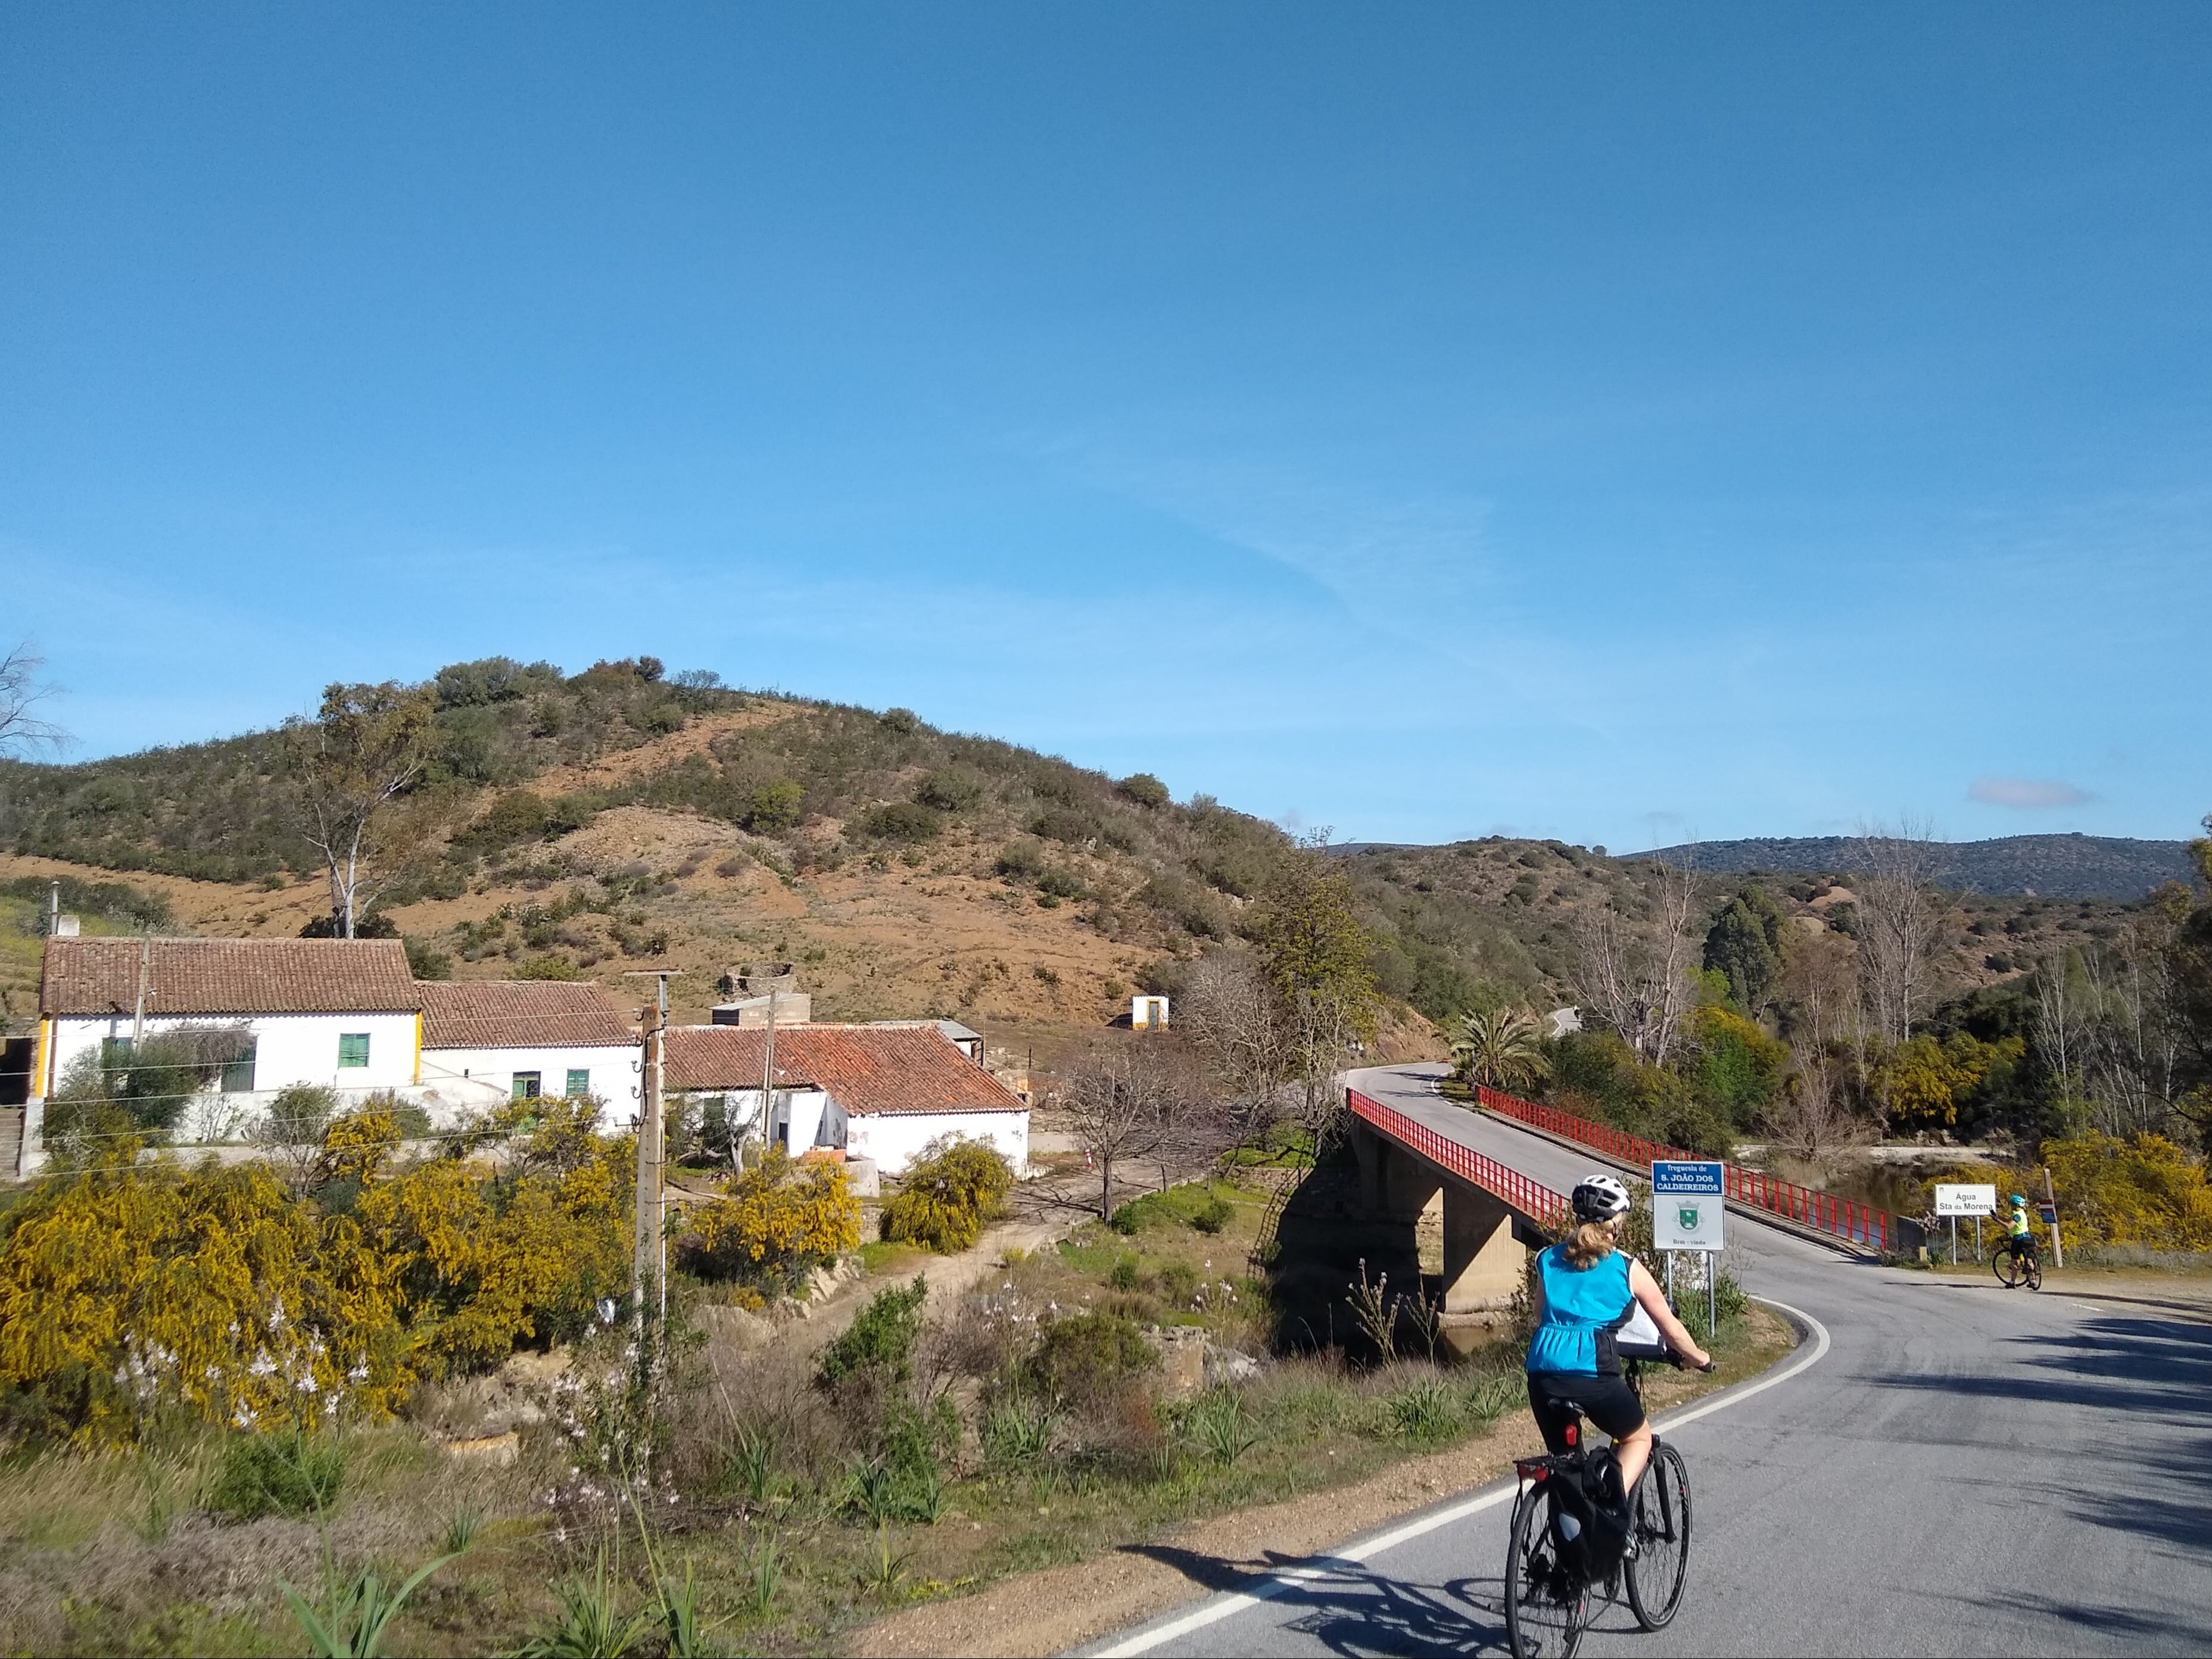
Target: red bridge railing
point(1547, 1208)
point(1862, 1223)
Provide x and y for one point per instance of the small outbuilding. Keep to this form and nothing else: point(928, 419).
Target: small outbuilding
point(874, 1092)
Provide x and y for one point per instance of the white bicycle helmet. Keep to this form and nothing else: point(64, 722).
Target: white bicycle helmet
point(1600, 1198)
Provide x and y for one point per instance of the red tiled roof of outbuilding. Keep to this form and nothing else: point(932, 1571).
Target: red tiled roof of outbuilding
point(867, 1069)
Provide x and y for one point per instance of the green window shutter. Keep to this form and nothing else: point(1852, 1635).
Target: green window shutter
point(238, 1074)
point(526, 1085)
point(353, 1048)
point(580, 1083)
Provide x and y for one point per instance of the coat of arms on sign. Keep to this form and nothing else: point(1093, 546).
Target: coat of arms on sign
point(1687, 1215)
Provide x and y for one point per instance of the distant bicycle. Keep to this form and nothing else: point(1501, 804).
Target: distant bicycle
point(2016, 1263)
point(1563, 1548)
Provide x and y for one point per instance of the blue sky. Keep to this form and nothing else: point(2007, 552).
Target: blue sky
point(1619, 424)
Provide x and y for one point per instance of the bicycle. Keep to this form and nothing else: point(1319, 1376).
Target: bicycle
point(2015, 1262)
point(1547, 1582)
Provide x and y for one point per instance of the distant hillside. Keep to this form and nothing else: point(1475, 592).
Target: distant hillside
point(2044, 866)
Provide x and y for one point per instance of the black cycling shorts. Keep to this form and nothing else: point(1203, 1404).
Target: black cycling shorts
point(1609, 1403)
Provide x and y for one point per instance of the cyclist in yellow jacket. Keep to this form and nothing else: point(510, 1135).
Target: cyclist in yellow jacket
point(2023, 1241)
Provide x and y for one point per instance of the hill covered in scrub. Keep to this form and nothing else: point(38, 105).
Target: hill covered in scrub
point(586, 824)
point(2070, 867)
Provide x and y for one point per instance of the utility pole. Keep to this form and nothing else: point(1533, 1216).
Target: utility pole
point(651, 1258)
point(768, 1072)
point(145, 968)
point(2050, 1198)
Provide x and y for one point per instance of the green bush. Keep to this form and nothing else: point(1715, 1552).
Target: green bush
point(275, 1475)
point(946, 1196)
point(878, 1344)
point(1060, 884)
point(774, 806)
point(1088, 1358)
point(1144, 789)
point(902, 820)
point(1194, 1204)
point(1021, 860)
point(950, 788)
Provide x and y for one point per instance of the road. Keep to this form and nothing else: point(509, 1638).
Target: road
point(1944, 1468)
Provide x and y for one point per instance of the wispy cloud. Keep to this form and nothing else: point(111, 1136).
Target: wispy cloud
point(2028, 793)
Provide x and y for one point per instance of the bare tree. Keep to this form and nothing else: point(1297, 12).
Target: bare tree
point(367, 745)
point(1900, 916)
point(1232, 1015)
point(1814, 1116)
point(1634, 974)
point(2059, 1017)
point(22, 691)
point(1126, 1102)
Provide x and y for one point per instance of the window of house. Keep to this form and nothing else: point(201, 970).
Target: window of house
point(353, 1048)
point(527, 1084)
point(238, 1074)
point(580, 1082)
point(114, 1052)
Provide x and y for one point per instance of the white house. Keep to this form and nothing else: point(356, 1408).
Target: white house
point(880, 1092)
point(486, 1041)
point(338, 1013)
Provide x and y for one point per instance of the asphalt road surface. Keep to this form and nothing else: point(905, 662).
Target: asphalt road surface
point(1941, 1468)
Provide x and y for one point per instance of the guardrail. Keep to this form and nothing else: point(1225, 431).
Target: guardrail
point(1860, 1223)
point(1538, 1202)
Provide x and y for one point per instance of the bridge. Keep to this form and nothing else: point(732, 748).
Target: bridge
point(1940, 1467)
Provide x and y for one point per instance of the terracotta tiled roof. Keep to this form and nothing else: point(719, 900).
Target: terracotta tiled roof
point(867, 1069)
point(228, 977)
point(520, 1014)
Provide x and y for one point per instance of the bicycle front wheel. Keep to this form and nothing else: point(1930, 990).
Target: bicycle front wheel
point(2006, 1264)
point(1546, 1604)
point(1662, 1565)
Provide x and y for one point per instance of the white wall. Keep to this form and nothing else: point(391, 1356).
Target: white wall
point(893, 1139)
point(289, 1049)
point(459, 1080)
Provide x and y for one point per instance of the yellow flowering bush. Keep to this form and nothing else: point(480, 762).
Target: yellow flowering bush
point(777, 1222)
point(127, 1294)
point(486, 1259)
point(2141, 1191)
point(947, 1193)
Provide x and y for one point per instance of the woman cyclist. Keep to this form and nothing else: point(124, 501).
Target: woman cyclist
point(1587, 1288)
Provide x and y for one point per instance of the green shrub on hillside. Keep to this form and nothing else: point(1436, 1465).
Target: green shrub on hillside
point(902, 820)
point(879, 1345)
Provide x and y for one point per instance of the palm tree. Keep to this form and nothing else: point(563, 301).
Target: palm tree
point(1501, 1049)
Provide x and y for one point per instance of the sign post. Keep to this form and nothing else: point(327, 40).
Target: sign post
point(1689, 1205)
point(1955, 1199)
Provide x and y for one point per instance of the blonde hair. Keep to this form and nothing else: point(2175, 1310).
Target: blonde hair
point(1589, 1244)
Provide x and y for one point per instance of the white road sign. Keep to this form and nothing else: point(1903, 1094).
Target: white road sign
point(1954, 1197)
point(1688, 1204)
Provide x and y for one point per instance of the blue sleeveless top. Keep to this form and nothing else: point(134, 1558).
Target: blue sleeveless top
point(1578, 1308)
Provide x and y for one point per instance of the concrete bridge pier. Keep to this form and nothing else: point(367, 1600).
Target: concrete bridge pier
point(1485, 1258)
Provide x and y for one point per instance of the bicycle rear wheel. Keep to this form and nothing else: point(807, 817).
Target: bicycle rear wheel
point(1662, 1565)
point(2033, 1273)
point(1546, 1607)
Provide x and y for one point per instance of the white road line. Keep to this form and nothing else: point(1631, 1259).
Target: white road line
point(1275, 1584)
